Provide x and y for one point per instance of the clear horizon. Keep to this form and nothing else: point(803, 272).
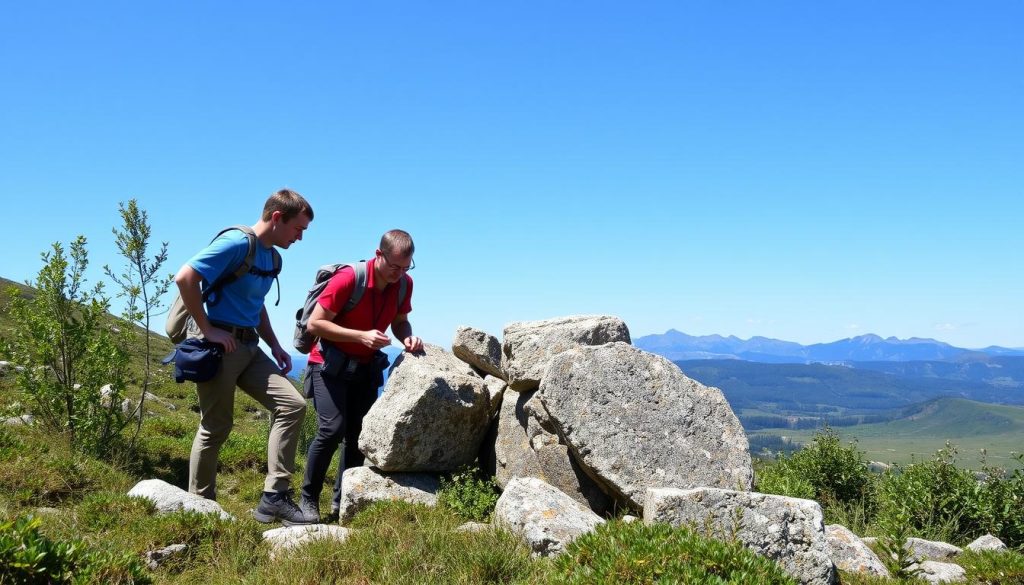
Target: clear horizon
point(806, 172)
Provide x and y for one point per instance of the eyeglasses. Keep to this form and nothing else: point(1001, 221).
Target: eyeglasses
point(402, 268)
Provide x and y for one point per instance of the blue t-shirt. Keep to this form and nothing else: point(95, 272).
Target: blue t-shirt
point(241, 301)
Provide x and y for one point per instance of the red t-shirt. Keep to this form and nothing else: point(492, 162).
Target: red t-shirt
point(376, 310)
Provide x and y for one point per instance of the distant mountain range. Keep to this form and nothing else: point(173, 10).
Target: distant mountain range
point(676, 345)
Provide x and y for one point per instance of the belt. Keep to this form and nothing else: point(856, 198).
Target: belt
point(243, 334)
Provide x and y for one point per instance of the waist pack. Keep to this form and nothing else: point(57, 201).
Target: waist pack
point(195, 360)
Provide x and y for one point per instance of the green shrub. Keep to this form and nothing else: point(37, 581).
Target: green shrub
point(243, 452)
point(10, 444)
point(103, 511)
point(398, 542)
point(824, 470)
point(166, 426)
point(26, 556)
point(993, 568)
point(657, 553)
point(939, 500)
point(469, 494)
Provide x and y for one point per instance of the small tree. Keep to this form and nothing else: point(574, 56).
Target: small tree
point(139, 283)
point(71, 352)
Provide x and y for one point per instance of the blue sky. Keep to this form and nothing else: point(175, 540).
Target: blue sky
point(800, 170)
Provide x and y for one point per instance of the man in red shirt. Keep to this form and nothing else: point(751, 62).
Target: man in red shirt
point(346, 368)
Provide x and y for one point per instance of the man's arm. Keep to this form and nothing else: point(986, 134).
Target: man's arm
point(282, 357)
point(188, 281)
point(321, 323)
point(402, 329)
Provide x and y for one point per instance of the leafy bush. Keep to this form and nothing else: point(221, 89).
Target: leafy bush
point(26, 556)
point(657, 553)
point(469, 494)
point(824, 470)
point(71, 350)
point(939, 500)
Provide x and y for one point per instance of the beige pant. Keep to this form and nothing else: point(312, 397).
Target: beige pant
point(258, 376)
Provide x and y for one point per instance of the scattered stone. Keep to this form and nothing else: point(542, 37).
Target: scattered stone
point(288, 537)
point(169, 498)
point(869, 540)
point(530, 345)
point(987, 542)
point(478, 349)
point(936, 572)
point(878, 467)
point(155, 558)
point(790, 531)
point(629, 519)
point(22, 420)
point(921, 549)
point(474, 527)
point(432, 416)
point(362, 486)
point(4, 367)
point(850, 554)
point(547, 519)
point(634, 420)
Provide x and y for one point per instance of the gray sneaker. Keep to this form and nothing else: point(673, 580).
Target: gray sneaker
point(280, 506)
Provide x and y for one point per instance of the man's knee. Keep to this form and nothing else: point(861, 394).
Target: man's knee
point(291, 407)
point(214, 434)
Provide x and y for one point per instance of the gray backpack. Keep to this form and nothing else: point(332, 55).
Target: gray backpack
point(178, 317)
point(302, 339)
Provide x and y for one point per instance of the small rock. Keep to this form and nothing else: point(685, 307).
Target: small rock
point(921, 549)
point(362, 486)
point(936, 572)
point(987, 542)
point(169, 498)
point(288, 537)
point(850, 554)
point(547, 519)
point(23, 420)
point(478, 349)
point(155, 558)
point(473, 527)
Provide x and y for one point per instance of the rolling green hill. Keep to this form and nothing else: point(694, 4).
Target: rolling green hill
point(925, 428)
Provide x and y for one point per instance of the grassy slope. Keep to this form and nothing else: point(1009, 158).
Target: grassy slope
point(971, 426)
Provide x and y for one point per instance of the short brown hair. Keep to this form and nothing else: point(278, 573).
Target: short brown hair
point(397, 242)
point(289, 203)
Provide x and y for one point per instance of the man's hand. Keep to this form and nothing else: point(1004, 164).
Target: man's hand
point(413, 343)
point(374, 339)
point(282, 357)
point(225, 338)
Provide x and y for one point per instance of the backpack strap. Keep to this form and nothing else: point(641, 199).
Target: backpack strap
point(403, 290)
point(357, 292)
point(211, 293)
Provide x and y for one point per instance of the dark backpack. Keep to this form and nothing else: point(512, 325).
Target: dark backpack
point(302, 339)
point(178, 317)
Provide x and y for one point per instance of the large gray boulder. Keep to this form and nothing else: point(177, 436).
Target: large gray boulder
point(850, 554)
point(789, 531)
point(529, 345)
point(523, 449)
point(169, 498)
point(432, 416)
point(634, 421)
point(512, 453)
point(546, 519)
point(478, 349)
point(362, 486)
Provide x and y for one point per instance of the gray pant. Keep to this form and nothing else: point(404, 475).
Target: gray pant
point(258, 376)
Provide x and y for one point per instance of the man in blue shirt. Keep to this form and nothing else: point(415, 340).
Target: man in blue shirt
point(236, 319)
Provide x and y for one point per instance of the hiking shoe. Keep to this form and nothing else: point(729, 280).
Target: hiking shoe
point(310, 508)
point(280, 507)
